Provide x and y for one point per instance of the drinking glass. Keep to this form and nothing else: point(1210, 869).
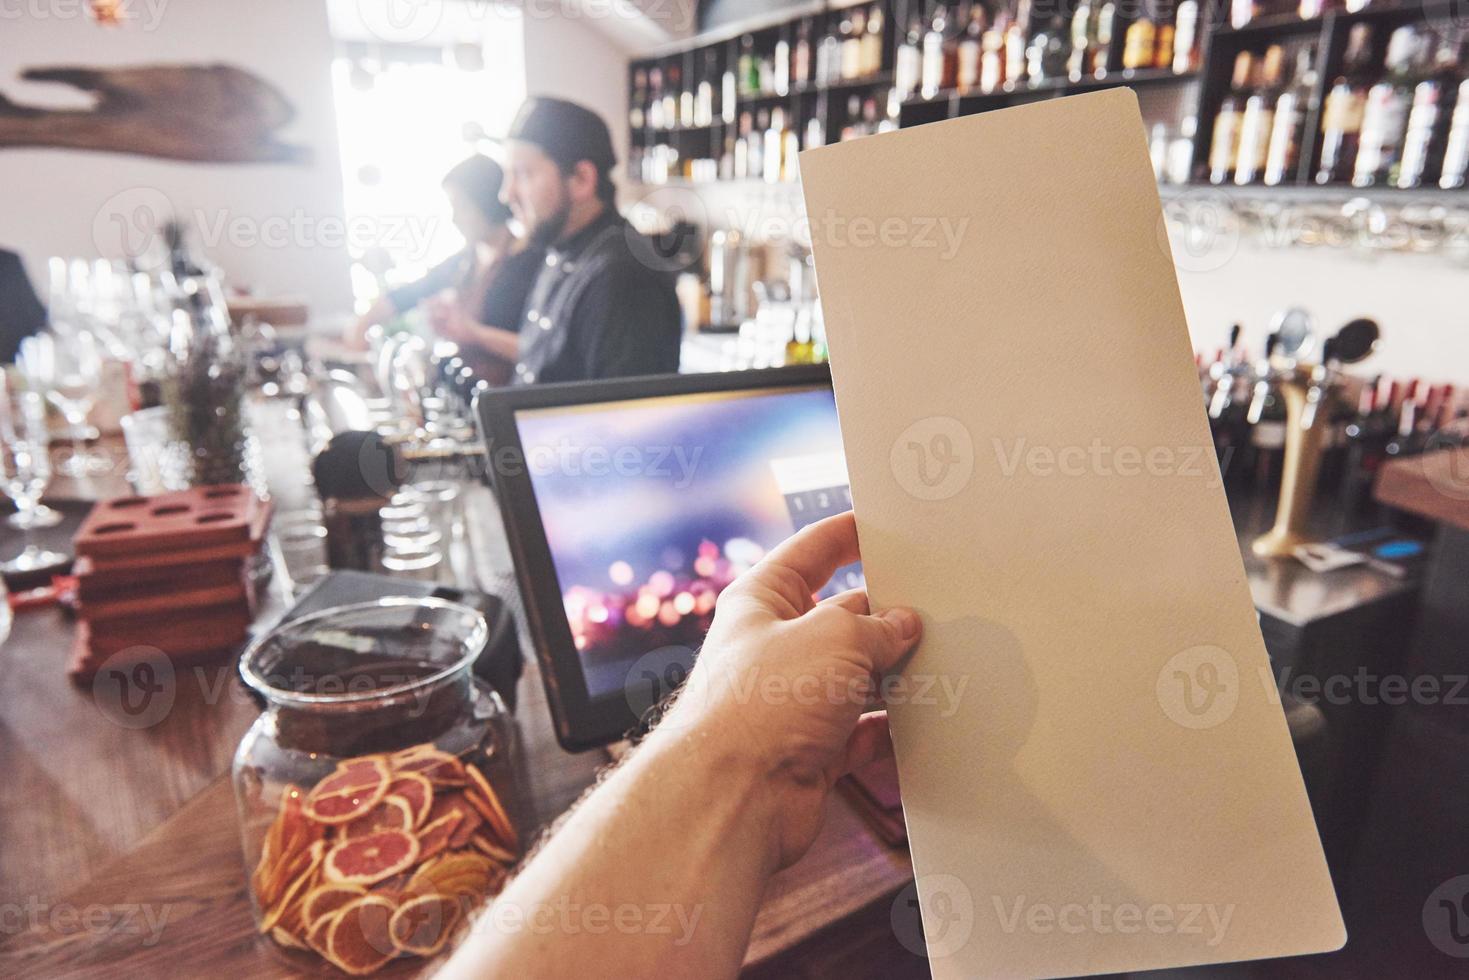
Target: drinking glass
point(69, 369)
point(25, 469)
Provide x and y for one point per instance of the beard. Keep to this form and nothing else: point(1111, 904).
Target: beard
point(546, 232)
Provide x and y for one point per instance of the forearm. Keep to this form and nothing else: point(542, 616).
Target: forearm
point(659, 873)
point(504, 344)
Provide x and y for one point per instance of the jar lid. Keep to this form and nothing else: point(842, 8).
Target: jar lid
point(364, 652)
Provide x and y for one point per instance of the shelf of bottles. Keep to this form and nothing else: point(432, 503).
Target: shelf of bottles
point(1300, 93)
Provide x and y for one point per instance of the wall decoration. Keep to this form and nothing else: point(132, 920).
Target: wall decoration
point(204, 113)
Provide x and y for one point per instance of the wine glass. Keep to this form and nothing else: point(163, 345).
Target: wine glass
point(25, 469)
point(69, 369)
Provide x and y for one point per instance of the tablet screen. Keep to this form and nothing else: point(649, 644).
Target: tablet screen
point(652, 506)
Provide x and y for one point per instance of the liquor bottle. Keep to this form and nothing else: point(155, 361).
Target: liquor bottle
point(801, 56)
point(1186, 37)
point(1456, 147)
point(1138, 44)
point(655, 98)
point(635, 116)
point(853, 29)
point(756, 141)
point(1181, 151)
point(1241, 12)
point(749, 69)
point(1427, 132)
point(704, 100)
point(686, 105)
point(1258, 120)
point(1290, 121)
point(728, 103)
point(871, 61)
point(1015, 48)
point(1341, 116)
point(1102, 50)
point(970, 48)
point(1163, 51)
point(1081, 40)
point(908, 68)
point(1385, 119)
point(773, 143)
point(672, 85)
point(938, 75)
point(1224, 146)
point(828, 58)
point(992, 57)
point(1406, 439)
point(815, 133)
point(1047, 61)
point(781, 67)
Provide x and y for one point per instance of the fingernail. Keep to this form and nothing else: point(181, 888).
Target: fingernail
point(905, 620)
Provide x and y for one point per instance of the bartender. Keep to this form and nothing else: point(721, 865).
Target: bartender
point(476, 297)
point(601, 307)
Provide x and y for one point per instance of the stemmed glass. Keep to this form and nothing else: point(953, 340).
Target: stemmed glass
point(69, 369)
point(25, 469)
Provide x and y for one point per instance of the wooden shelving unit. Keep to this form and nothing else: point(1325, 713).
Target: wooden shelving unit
point(1170, 96)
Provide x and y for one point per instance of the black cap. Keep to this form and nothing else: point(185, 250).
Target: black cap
point(565, 132)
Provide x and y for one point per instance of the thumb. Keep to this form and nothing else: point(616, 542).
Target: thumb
point(888, 637)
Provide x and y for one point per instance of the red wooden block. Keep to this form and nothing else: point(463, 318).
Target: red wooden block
point(196, 519)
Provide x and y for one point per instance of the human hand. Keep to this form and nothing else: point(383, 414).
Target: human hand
point(448, 320)
point(783, 681)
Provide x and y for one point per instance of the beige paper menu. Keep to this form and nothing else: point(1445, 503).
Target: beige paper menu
point(1096, 771)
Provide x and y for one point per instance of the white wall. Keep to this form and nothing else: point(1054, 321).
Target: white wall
point(64, 202)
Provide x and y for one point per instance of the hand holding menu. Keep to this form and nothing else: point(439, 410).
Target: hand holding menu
point(1032, 470)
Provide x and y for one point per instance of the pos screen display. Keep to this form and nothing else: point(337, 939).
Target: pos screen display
point(649, 497)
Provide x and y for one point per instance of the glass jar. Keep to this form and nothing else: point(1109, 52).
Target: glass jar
point(376, 796)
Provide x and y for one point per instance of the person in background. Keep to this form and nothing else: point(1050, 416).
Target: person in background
point(726, 789)
point(21, 312)
point(474, 298)
point(603, 305)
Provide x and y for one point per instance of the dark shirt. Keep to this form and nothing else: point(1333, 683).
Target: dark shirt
point(21, 312)
point(602, 307)
point(505, 298)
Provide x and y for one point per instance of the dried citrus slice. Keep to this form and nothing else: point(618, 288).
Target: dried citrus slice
point(393, 888)
point(356, 787)
point(291, 832)
point(316, 934)
point(301, 876)
point(434, 837)
point(416, 791)
point(393, 813)
point(460, 873)
point(439, 767)
point(325, 899)
point(492, 850)
point(422, 925)
point(484, 798)
point(284, 938)
point(358, 941)
point(469, 818)
point(370, 859)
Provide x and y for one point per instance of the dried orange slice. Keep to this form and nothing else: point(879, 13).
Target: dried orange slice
point(301, 876)
point(422, 925)
point(369, 859)
point(438, 767)
point(434, 837)
point(458, 874)
point(484, 799)
point(393, 813)
point(393, 888)
point(416, 791)
point(325, 899)
point(492, 850)
point(317, 932)
point(469, 818)
point(358, 941)
point(284, 938)
point(289, 834)
point(352, 790)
